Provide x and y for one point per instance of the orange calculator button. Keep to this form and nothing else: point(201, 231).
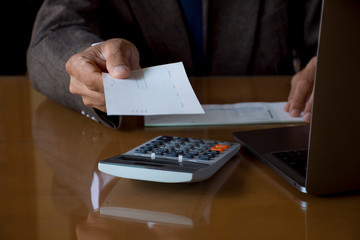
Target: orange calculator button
point(223, 146)
point(217, 149)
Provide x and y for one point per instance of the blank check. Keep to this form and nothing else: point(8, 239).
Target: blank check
point(163, 89)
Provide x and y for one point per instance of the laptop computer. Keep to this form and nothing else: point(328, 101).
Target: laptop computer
point(331, 142)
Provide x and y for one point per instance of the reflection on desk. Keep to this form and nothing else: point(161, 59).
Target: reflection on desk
point(164, 204)
point(71, 149)
point(51, 188)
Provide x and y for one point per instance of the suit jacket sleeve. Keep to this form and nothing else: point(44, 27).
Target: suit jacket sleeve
point(61, 29)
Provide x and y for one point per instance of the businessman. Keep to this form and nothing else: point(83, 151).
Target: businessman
point(211, 37)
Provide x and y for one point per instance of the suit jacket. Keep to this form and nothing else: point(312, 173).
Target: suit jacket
point(247, 37)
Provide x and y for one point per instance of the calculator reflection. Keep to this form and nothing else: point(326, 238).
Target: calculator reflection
point(184, 205)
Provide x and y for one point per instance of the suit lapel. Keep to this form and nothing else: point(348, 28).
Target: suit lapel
point(164, 30)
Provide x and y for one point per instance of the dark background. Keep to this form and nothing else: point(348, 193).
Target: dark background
point(16, 21)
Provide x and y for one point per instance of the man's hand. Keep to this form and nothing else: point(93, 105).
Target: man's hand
point(300, 99)
point(115, 56)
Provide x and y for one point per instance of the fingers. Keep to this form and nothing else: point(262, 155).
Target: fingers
point(86, 79)
point(308, 108)
point(301, 93)
point(84, 68)
point(116, 56)
point(90, 98)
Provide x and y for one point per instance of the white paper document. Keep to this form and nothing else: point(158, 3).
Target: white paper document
point(225, 114)
point(163, 89)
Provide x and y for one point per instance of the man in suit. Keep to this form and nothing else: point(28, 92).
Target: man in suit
point(253, 37)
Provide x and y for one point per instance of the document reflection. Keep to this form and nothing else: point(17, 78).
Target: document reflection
point(100, 206)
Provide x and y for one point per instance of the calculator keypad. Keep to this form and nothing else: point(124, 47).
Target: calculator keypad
point(179, 148)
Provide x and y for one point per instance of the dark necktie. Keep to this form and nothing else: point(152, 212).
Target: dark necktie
point(194, 17)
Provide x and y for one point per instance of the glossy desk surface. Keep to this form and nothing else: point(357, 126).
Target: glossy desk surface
point(50, 187)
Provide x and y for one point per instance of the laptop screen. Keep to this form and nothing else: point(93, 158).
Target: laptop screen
point(333, 164)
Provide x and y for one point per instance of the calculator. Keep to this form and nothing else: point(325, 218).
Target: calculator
point(171, 159)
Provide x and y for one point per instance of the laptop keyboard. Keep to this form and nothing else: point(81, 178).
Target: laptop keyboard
point(296, 159)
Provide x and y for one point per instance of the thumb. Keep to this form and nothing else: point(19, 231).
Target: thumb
point(119, 71)
point(121, 57)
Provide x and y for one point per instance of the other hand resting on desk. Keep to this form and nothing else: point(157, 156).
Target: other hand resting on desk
point(301, 94)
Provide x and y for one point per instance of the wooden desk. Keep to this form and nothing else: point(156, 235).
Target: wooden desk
point(50, 186)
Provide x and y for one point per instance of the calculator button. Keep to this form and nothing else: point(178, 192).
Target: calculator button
point(211, 154)
point(189, 156)
point(154, 144)
point(215, 152)
point(140, 150)
point(181, 139)
point(205, 157)
point(158, 152)
point(195, 153)
point(217, 149)
point(165, 138)
point(179, 151)
point(224, 146)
